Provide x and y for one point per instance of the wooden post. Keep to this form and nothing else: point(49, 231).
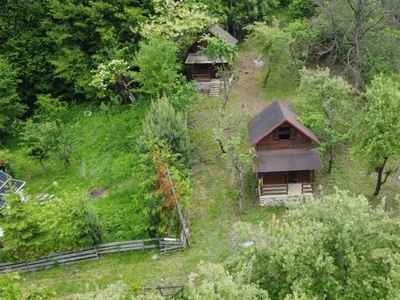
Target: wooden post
point(178, 207)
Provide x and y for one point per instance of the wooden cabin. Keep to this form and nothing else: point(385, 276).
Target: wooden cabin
point(201, 68)
point(285, 161)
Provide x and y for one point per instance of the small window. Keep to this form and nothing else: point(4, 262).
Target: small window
point(285, 133)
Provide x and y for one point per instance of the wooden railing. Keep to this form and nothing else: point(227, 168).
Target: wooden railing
point(166, 245)
point(273, 189)
point(307, 188)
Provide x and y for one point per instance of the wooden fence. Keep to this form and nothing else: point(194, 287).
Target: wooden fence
point(164, 244)
point(273, 189)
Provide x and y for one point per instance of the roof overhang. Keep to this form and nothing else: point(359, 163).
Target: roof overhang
point(197, 58)
point(286, 160)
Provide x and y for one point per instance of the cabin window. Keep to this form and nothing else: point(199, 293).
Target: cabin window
point(285, 133)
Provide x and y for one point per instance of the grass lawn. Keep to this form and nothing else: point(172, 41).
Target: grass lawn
point(104, 160)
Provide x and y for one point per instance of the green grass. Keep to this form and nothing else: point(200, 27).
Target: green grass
point(107, 146)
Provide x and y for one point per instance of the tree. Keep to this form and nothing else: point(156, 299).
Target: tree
point(378, 128)
point(219, 50)
point(21, 228)
point(353, 33)
point(215, 283)
point(87, 33)
point(11, 107)
point(281, 47)
point(326, 105)
point(176, 21)
point(71, 223)
point(238, 157)
point(158, 66)
point(336, 247)
point(166, 127)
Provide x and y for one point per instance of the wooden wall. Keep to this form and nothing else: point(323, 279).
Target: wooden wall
point(268, 142)
point(282, 177)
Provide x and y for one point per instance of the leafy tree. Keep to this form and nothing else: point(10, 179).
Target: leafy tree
point(218, 49)
point(378, 127)
point(157, 207)
point(336, 247)
point(71, 222)
point(243, 13)
point(352, 34)
point(11, 107)
point(214, 283)
point(238, 157)
point(177, 21)
point(43, 140)
point(21, 229)
point(326, 105)
point(167, 127)
point(85, 33)
point(280, 47)
point(49, 108)
point(158, 66)
point(23, 43)
point(113, 76)
point(300, 9)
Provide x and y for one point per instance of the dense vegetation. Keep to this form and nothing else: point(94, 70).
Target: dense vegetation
point(95, 105)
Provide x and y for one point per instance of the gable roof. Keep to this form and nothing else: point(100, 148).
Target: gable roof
point(272, 117)
point(6, 183)
point(217, 30)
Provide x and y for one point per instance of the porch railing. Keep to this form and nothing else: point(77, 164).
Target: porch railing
point(273, 189)
point(283, 189)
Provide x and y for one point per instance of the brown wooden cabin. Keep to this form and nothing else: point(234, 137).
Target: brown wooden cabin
point(201, 68)
point(285, 161)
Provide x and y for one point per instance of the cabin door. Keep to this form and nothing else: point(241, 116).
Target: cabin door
point(292, 177)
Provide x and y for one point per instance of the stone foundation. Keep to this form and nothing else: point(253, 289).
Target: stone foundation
point(280, 200)
point(203, 86)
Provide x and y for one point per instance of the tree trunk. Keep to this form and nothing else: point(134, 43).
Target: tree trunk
point(266, 77)
point(379, 181)
point(330, 164)
point(241, 192)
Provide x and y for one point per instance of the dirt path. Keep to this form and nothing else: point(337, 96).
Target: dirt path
point(245, 88)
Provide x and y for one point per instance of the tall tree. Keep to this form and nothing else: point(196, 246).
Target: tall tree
point(166, 127)
point(378, 128)
point(85, 33)
point(326, 102)
point(10, 104)
point(177, 21)
point(158, 66)
point(352, 34)
point(219, 50)
point(337, 247)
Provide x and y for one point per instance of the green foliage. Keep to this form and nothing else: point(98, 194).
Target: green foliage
point(10, 289)
point(218, 49)
point(177, 21)
point(327, 106)
point(301, 9)
point(21, 229)
point(11, 108)
point(167, 127)
point(47, 139)
point(70, 222)
point(380, 127)
point(49, 108)
point(336, 247)
point(84, 33)
point(213, 282)
point(155, 204)
point(158, 66)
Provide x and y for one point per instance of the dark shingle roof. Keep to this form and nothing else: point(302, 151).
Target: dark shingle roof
point(270, 118)
point(286, 160)
point(217, 30)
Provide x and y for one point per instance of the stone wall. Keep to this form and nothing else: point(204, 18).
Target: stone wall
point(203, 86)
point(280, 200)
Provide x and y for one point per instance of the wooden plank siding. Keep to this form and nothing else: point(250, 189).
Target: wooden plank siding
point(282, 177)
point(299, 141)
